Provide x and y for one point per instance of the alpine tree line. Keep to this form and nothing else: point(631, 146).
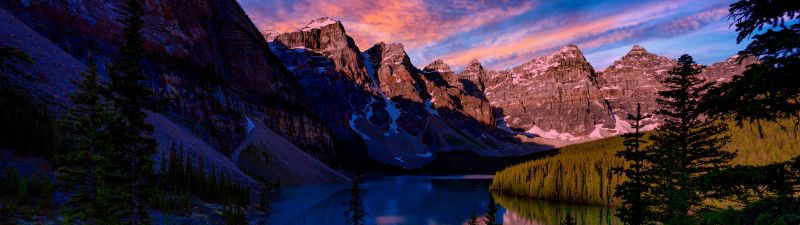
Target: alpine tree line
point(684, 172)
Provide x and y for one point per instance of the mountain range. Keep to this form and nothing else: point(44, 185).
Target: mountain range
point(294, 106)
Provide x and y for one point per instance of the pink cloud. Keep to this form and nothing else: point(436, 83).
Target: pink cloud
point(526, 44)
point(414, 23)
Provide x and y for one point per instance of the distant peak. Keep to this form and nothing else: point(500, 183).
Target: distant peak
point(438, 65)
point(319, 23)
point(270, 35)
point(568, 51)
point(474, 63)
point(570, 48)
point(637, 49)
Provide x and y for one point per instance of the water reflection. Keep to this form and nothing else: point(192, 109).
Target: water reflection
point(423, 200)
point(527, 211)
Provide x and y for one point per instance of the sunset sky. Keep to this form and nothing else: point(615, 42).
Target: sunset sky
point(502, 34)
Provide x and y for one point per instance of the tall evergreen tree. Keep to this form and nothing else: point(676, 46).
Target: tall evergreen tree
point(85, 129)
point(355, 212)
point(490, 218)
point(766, 91)
point(684, 148)
point(634, 208)
point(769, 89)
point(133, 143)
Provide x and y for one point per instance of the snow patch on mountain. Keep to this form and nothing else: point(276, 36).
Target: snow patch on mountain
point(270, 35)
point(552, 134)
point(319, 23)
point(367, 114)
point(391, 109)
point(426, 155)
point(429, 107)
point(249, 124)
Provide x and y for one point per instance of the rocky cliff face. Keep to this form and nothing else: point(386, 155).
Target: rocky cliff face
point(328, 37)
point(210, 63)
point(722, 71)
point(227, 87)
point(543, 93)
point(401, 114)
point(560, 98)
point(450, 94)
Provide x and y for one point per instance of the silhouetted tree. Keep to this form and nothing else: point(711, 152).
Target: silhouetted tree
point(769, 89)
point(684, 148)
point(355, 212)
point(490, 218)
point(131, 97)
point(766, 91)
point(634, 208)
point(86, 135)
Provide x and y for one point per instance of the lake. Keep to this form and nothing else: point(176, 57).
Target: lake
point(425, 200)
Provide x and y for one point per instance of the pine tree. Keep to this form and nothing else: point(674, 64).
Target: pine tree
point(633, 209)
point(490, 218)
point(85, 130)
point(684, 148)
point(355, 212)
point(766, 91)
point(769, 89)
point(131, 97)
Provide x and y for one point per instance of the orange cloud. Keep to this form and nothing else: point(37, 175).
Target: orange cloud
point(414, 23)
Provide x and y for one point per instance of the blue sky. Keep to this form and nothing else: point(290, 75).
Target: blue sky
point(502, 34)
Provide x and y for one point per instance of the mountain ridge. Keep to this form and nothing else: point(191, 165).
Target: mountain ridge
point(559, 97)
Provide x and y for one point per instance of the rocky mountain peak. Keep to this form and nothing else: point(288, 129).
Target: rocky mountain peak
point(438, 65)
point(327, 37)
point(638, 53)
point(472, 78)
point(270, 35)
point(320, 23)
point(637, 49)
point(440, 73)
point(569, 50)
point(393, 53)
point(640, 58)
point(474, 63)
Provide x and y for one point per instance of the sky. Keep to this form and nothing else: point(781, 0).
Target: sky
point(504, 33)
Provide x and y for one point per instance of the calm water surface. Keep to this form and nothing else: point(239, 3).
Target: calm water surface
point(425, 200)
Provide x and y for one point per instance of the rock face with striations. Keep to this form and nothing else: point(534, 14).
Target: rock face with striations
point(560, 97)
point(553, 92)
point(400, 114)
point(210, 63)
point(327, 37)
point(449, 93)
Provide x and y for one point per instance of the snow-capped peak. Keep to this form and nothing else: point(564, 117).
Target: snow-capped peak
point(270, 35)
point(319, 23)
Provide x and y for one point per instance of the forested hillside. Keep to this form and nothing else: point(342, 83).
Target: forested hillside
point(583, 172)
